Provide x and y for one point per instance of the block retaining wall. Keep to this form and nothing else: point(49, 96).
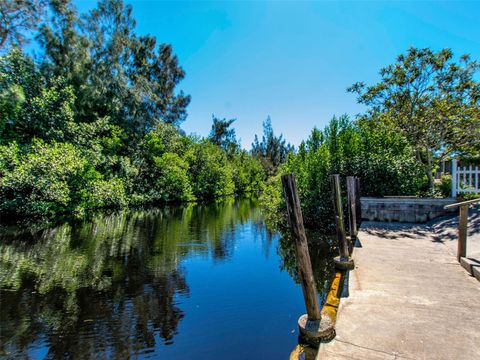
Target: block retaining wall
point(398, 209)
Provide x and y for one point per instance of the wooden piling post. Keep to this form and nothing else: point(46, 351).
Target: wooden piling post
point(462, 225)
point(358, 204)
point(312, 326)
point(462, 232)
point(304, 264)
point(338, 210)
point(352, 207)
point(343, 262)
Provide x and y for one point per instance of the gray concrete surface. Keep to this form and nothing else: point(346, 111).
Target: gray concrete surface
point(404, 209)
point(445, 231)
point(408, 296)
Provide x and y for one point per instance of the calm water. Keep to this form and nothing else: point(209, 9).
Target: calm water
point(198, 282)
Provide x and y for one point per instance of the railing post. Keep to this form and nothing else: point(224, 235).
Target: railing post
point(312, 326)
point(343, 262)
point(462, 225)
point(462, 232)
point(454, 178)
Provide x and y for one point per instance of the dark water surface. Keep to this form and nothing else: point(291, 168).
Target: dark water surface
point(196, 282)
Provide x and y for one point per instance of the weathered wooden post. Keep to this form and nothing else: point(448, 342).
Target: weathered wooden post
point(462, 232)
point(462, 225)
point(312, 325)
point(358, 204)
point(344, 261)
point(352, 207)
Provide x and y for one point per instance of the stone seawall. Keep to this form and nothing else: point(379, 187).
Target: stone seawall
point(404, 209)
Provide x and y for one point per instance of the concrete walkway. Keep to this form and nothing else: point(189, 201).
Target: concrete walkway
point(445, 231)
point(408, 297)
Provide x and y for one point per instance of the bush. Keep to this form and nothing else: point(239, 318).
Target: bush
point(445, 186)
point(164, 138)
point(72, 140)
point(105, 194)
point(469, 196)
point(30, 105)
point(383, 161)
point(273, 206)
point(49, 179)
point(173, 183)
point(210, 172)
point(43, 181)
point(9, 158)
point(248, 174)
point(175, 167)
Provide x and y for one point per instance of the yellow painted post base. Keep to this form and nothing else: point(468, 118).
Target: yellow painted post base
point(333, 297)
point(303, 352)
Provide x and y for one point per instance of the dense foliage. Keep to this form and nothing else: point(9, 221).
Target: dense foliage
point(432, 100)
point(94, 122)
point(383, 161)
point(425, 108)
point(272, 150)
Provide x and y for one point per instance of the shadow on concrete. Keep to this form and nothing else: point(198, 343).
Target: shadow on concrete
point(392, 230)
point(446, 228)
point(346, 285)
point(357, 244)
point(442, 231)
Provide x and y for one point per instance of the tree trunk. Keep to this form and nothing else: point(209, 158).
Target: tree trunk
point(429, 171)
point(3, 38)
point(424, 157)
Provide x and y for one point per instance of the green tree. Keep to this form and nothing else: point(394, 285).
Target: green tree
point(94, 122)
point(114, 72)
point(17, 19)
point(173, 182)
point(45, 180)
point(432, 100)
point(210, 171)
point(222, 135)
point(272, 151)
point(382, 159)
point(31, 106)
point(163, 166)
point(66, 55)
point(136, 78)
point(248, 173)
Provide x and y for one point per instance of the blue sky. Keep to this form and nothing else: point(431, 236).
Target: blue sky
point(293, 60)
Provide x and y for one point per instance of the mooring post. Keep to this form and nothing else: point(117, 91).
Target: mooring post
point(343, 262)
point(312, 326)
point(358, 204)
point(304, 264)
point(462, 232)
point(352, 207)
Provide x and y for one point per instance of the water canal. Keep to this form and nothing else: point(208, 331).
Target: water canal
point(203, 282)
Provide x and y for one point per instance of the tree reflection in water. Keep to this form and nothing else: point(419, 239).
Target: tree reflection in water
point(116, 286)
point(322, 249)
point(108, 287)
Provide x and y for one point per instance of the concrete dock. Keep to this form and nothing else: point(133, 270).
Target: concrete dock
point(408, 297)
